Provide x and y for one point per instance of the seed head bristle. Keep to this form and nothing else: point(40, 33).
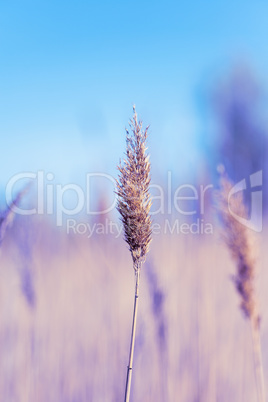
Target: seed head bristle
point(134, 201)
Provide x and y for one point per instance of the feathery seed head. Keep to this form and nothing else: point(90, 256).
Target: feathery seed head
point(239, 241)
point(134, 201)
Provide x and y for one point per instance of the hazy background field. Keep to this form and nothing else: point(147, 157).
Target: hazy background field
point(69, 76)
point(66, 305)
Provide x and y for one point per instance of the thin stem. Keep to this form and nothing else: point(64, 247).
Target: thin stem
point(133, 332)
point(255, 332)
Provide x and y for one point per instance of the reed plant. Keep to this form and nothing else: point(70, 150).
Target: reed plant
point(240, 242)
point(134, 204)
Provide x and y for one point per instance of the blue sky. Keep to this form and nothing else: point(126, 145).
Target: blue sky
point(70, 72)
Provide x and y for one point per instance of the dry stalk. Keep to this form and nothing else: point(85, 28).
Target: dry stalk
point(134, 206)
point(239, 241)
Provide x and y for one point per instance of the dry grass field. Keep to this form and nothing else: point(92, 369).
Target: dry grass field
point(65, 304)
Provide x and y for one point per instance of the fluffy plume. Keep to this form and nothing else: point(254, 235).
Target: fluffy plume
point(239, 241)
point(133, 192)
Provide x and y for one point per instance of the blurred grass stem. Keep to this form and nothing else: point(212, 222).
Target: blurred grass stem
point(133, 334)
point(255, 332)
